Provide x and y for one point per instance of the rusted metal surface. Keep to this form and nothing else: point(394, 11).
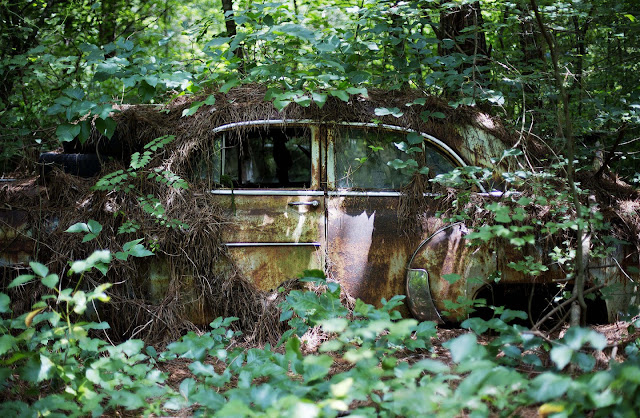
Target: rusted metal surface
point(447, 253)
point(16, 243)
point(366, 249)
point(265, 218)
point(269, 266)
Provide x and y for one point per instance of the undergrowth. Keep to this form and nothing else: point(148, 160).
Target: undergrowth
point(367, 362)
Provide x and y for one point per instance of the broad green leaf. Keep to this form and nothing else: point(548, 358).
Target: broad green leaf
point(67, 132)
point(235, 408)
point(7, 342)
point(585, 361)
point(46, 365)
point(75, 93)
point(477, 325)
point(341, 389)
point(187, 387)
point(432, 366)
point(292, 348)
point(208, 398)
point(384, 111)
point(340, 94)
point(509, 314)
point(80, 302)
point(548, 386)
point(362, 91)
point(127, 399)
point(414, 138)
point(334, 325)
point(139, 251)
point(192, 110)
point(94, 226)
point(5, 303)
point(50, 280)
point(316, 367)
point(216, 42)
point(20, 280)
point(319, 99)
point(451, 278)
point(229, 84)
point(464, 347)
point(106, 126)
point(39, 269)
point(576, 337)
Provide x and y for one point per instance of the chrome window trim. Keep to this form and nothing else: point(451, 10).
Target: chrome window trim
point(431, 139)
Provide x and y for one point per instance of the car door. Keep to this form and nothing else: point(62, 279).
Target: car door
point(267, 176)
point(368, 243)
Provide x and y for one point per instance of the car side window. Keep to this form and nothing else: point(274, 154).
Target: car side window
point(271, 157)
point(362, 158)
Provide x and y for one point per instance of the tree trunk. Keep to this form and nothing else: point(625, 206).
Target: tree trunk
point(230, 24)
point(454, 26)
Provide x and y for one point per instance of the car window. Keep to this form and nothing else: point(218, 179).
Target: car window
point(362, 158)
point(269, 157)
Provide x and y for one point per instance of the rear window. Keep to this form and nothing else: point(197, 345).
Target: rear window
point(365, 159)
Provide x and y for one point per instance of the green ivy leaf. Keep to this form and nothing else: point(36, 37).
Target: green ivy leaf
point(192, 110)
point(106, 126)
point(187, 387)
point(464, 347)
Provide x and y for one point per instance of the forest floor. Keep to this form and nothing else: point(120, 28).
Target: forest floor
point(617, 334)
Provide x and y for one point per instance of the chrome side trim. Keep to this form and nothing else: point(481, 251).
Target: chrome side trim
point(272, 244)
point(266, 192)
point(373, 194)
point(272, 192)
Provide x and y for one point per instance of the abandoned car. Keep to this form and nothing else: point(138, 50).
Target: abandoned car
point(340, 189)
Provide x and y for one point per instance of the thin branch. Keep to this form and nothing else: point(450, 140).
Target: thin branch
point(565, 304)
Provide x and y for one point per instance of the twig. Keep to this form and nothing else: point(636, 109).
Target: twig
point(564, 304)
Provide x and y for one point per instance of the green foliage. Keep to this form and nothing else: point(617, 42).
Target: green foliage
point(129, 181)
point(51, 364)
point(63, 70)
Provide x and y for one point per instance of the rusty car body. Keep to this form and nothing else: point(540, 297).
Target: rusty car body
point(305, 194)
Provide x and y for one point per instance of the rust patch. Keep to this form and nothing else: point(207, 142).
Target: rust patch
point(269, 266)
point(367, 252)
point(16, 245)
point(272, 218)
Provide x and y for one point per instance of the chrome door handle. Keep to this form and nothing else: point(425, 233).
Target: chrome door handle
point(313, 203)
